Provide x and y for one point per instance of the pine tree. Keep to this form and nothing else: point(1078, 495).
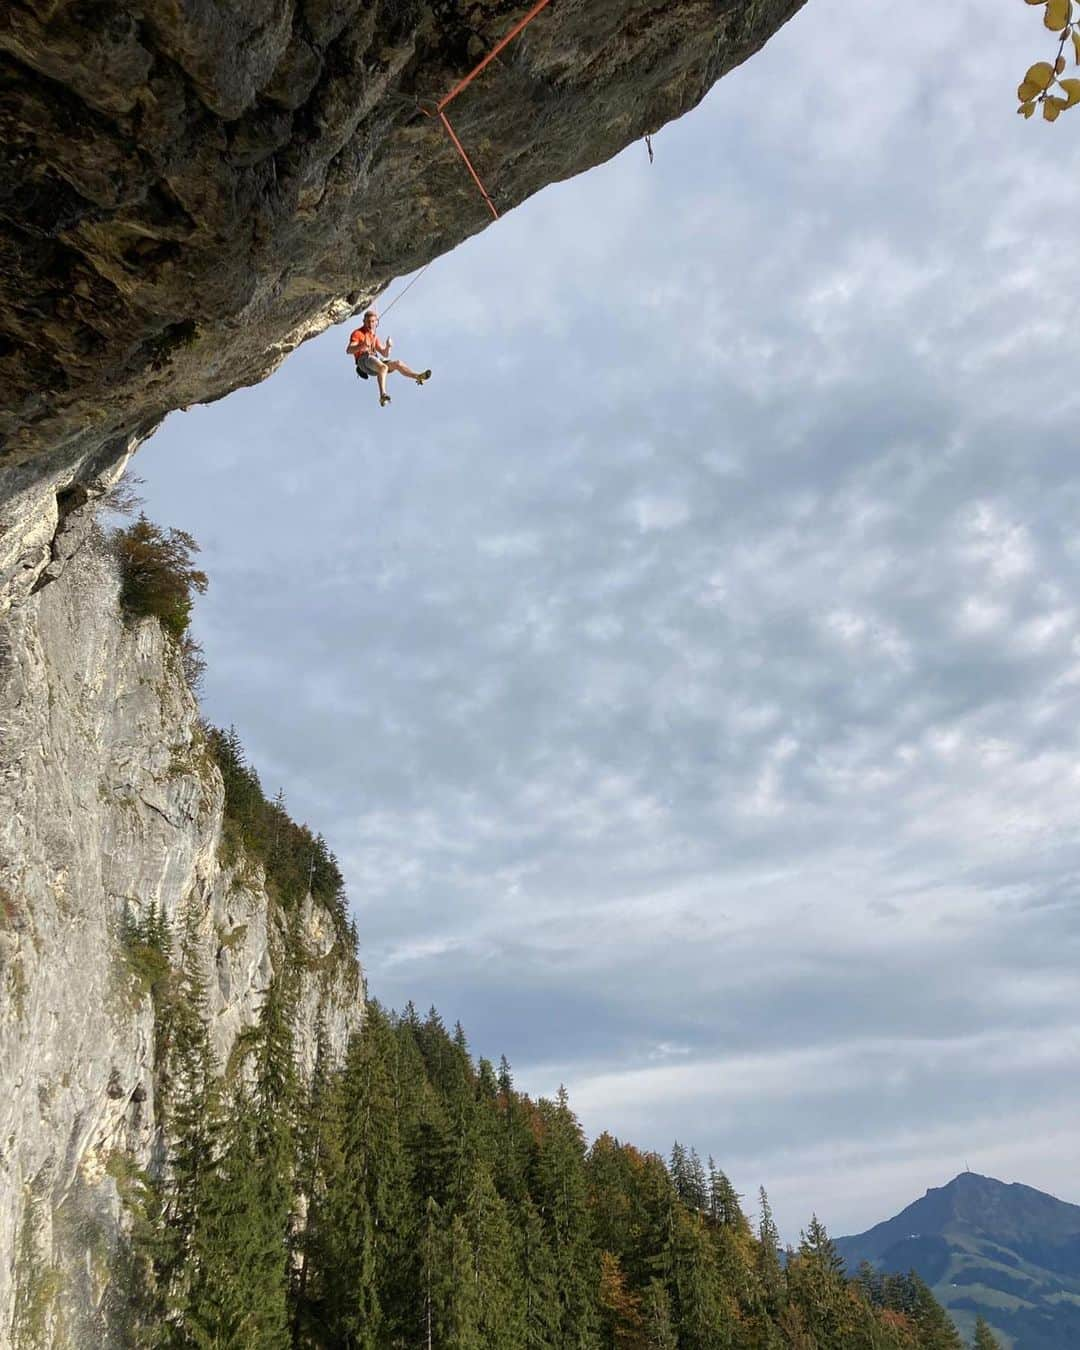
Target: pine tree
point(561, 1193)
point(697, 1303)
point(539, 1277)
point(515, 1141)
point(420, 1202)
point(935, 1327)
point(723, 1203)
point(688, 1177)
point(659, 1333)
point(818, 1246)
point(984, 1337)
point(431, 1272)
point(314, 1121)
point(815, 1281)
point(499, 1317)
point(363, 1221)
point(236, 1297)
point(189, 1103)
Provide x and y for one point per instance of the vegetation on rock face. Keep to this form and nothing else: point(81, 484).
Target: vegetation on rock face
point(444, 1209)
point(158, 578)
point(296, 861)
point(145, 946)
point(157, 575)
point(38, 1286)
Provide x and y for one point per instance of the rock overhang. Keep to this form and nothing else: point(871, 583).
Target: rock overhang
point(188, 191)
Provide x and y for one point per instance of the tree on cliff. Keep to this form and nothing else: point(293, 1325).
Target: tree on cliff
point(157, 575)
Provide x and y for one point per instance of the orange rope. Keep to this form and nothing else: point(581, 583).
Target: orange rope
point(468, 162)
point(540, 4)
point(522, 23)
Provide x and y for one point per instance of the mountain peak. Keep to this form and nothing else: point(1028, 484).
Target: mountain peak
point(998, 1249)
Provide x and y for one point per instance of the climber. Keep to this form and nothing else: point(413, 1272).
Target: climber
point(373, 357)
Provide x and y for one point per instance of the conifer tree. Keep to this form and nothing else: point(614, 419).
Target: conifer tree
point(314, 1120)
point(815, 1281)
point(697, 1303)
point(499, 1319)
point(190, 1108)
point(984, 1337)
point(431, 1272)
point(688, 1177)
point(659, 1333)
point(539, 1277)
point(724, 1206)
point(935, 1327)
point(611, 1199)
point(236, 1295)
point(516, 1146)
point(561, 1192)
point(364, 1215)
point(444, 1210)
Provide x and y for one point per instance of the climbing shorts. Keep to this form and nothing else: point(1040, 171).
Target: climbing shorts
point(368, 365)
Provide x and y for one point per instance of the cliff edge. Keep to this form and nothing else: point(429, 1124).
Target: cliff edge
point(188, 191)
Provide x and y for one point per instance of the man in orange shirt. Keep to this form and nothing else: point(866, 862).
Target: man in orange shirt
point(373, 357)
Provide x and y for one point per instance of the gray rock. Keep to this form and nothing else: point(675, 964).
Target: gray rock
point(108, 799)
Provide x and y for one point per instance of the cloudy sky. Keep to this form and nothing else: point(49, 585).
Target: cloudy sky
point(688, 678)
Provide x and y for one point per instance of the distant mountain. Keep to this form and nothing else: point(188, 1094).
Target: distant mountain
point(1006, 1252)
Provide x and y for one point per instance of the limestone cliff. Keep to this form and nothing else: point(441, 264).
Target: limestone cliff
point(188, 190)
point(109, 803)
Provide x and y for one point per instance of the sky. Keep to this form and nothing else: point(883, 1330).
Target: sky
point(687, 677)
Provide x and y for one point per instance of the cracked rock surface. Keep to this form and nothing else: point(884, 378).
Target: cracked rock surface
point(109, 803)
point(190, 189)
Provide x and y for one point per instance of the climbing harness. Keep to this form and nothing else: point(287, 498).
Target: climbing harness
point(441, 106)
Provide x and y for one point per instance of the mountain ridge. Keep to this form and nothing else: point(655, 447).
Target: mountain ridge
point(1001, 1250)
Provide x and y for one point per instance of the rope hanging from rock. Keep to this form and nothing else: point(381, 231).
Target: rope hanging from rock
point(387, 308)
point(438, 112)
point(463, 84)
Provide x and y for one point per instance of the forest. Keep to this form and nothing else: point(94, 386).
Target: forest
point(413, 1198)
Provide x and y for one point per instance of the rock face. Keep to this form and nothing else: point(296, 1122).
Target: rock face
point(188, 189)
point(109, 803)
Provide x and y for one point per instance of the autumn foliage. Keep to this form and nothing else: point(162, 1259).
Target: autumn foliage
point(157, 576)
point(1044, 85)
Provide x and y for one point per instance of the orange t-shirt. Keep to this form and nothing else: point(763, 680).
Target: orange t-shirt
point(368, 343)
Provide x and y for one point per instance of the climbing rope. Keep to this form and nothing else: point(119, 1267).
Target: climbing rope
point(439, 112)
point(464, 84)
point(387, 308)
